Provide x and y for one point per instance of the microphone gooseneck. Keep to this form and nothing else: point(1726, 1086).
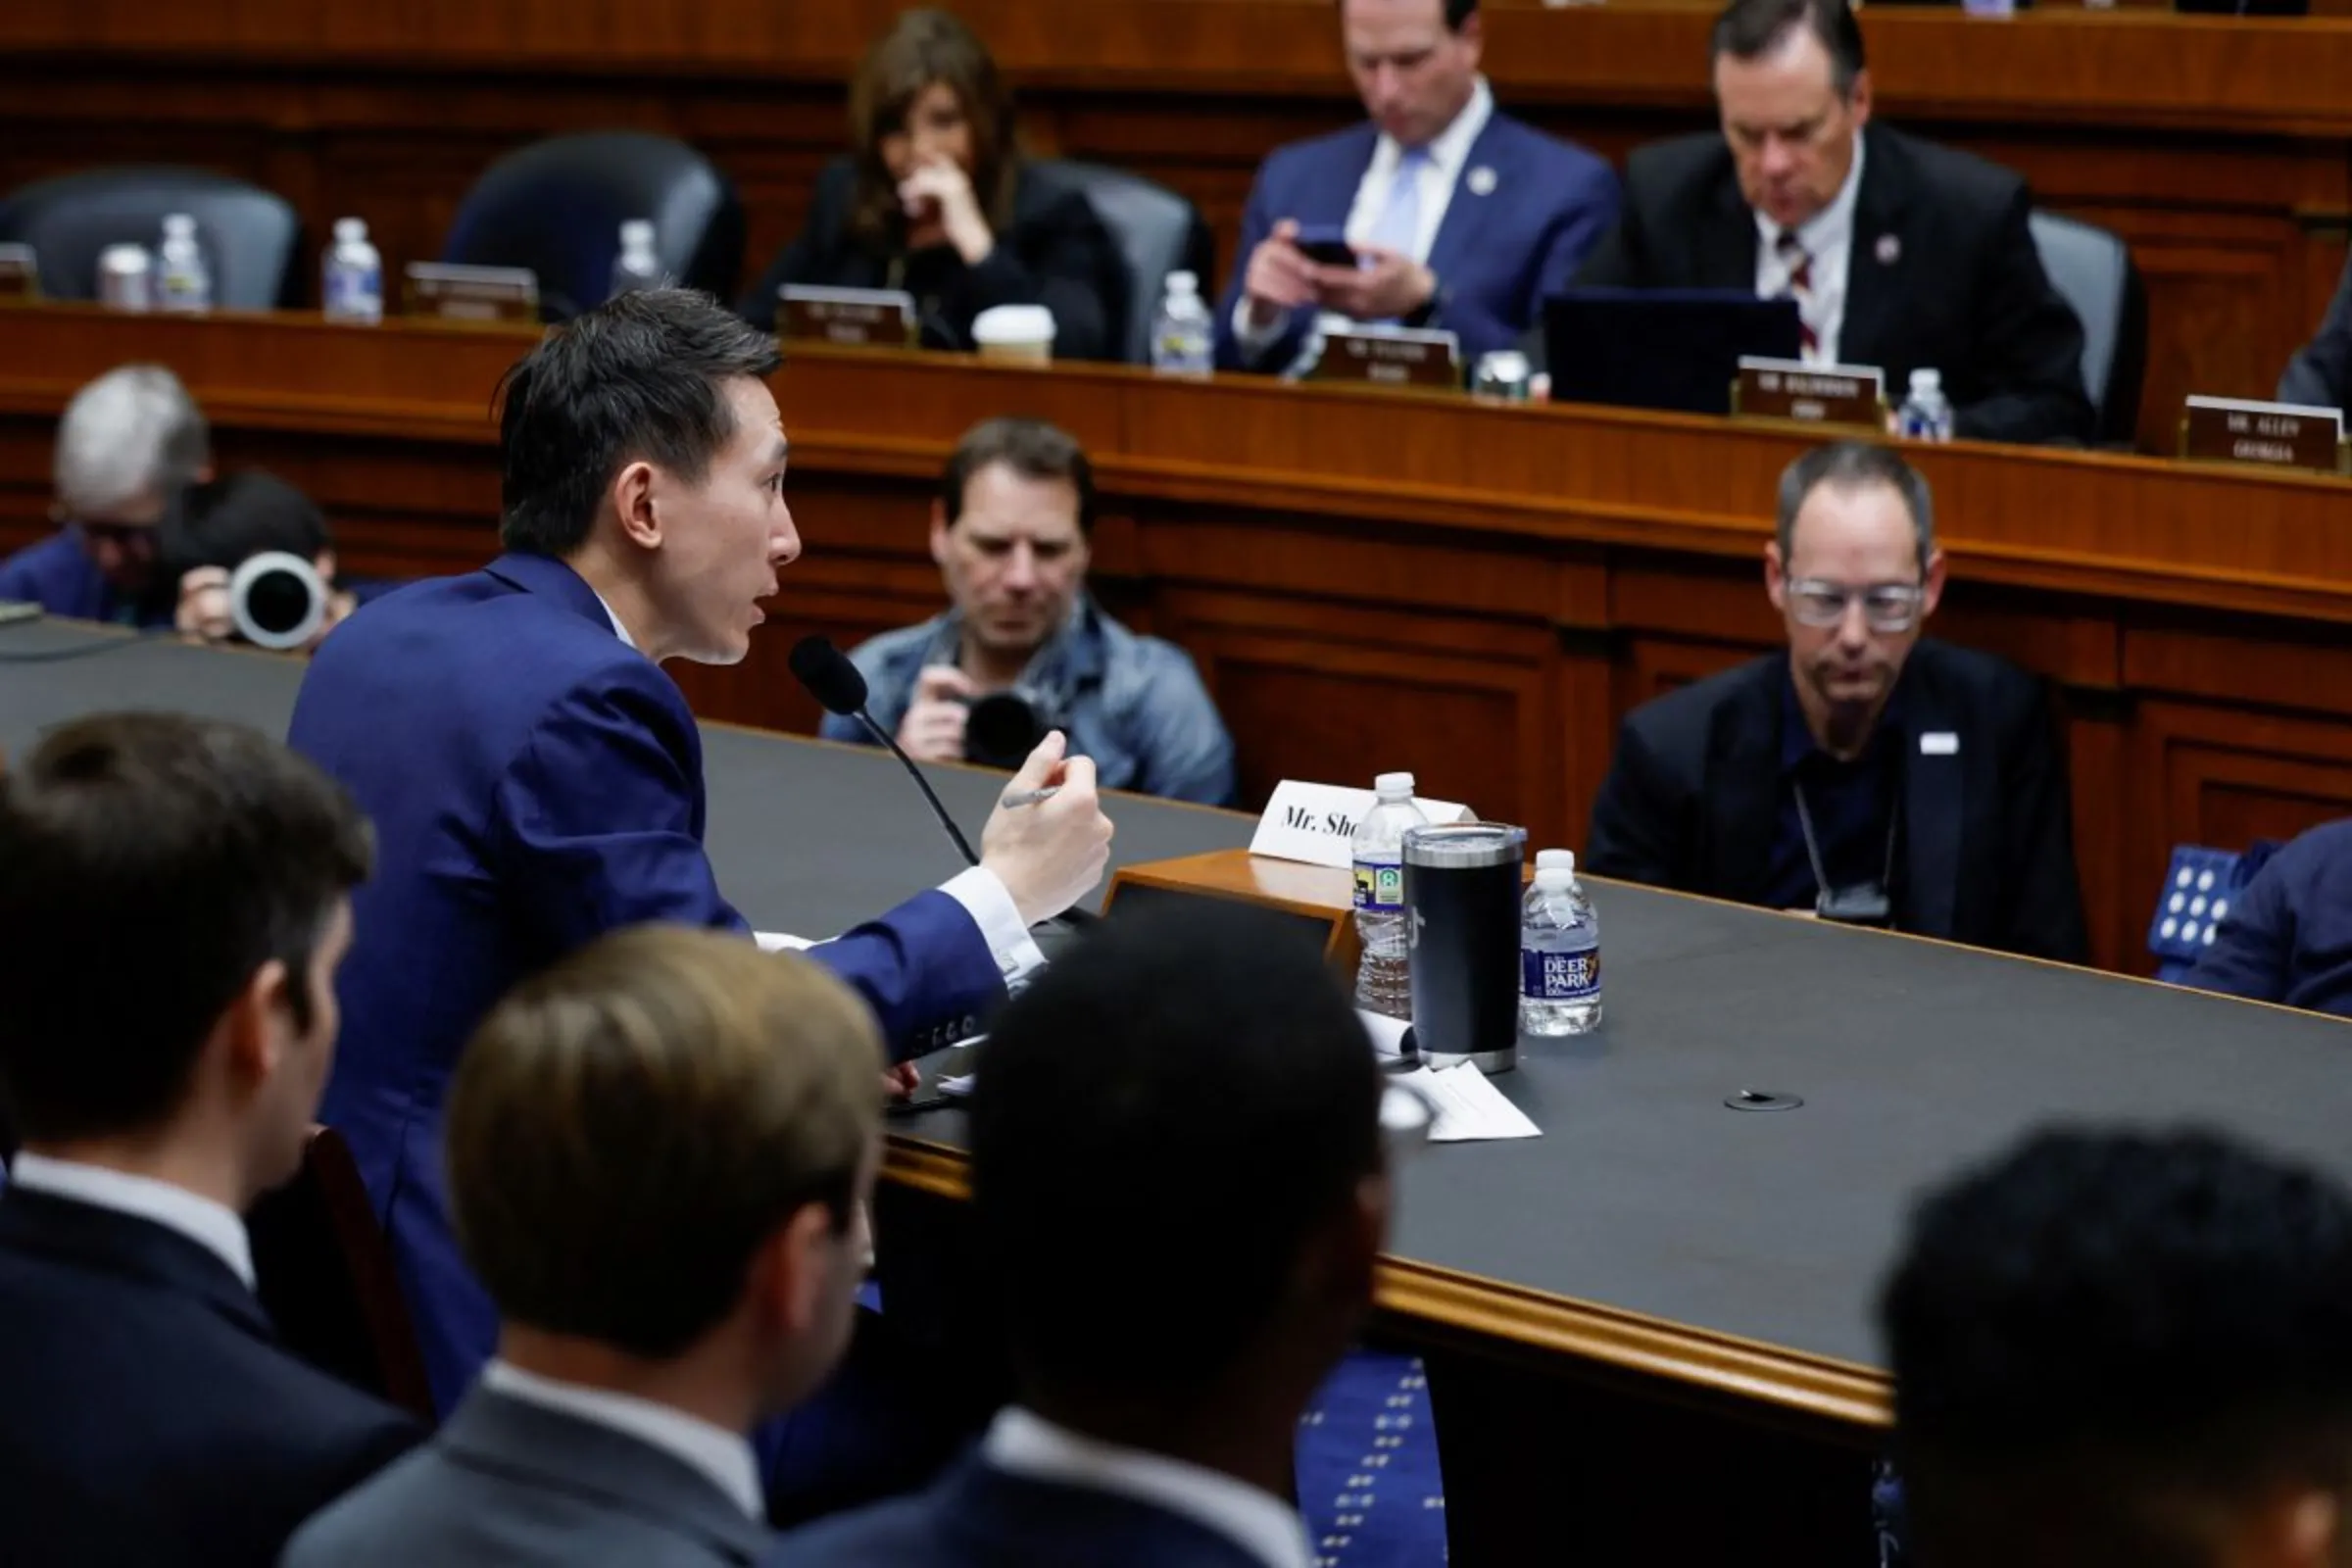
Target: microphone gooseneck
point(826, 672)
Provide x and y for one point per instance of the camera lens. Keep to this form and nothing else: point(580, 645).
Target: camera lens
point(278, 601)
point(1001, 730)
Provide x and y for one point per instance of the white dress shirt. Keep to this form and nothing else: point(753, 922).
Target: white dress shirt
point(725, 1456)
point(214, 1227)
point(1827, 237)
point(981, 892)
point(1022, 1442)
point(1449, 152)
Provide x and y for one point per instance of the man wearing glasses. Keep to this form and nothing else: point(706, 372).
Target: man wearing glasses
point(1868, 777)
point(129, 441)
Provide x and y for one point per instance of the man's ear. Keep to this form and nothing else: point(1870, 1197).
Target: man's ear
point(1931, 585)
point(1859, 99)
point(794, 1269)
point(939, 533)
point(1776, 577)
point(632, 497)
point(324, 565)
point(254, 1045)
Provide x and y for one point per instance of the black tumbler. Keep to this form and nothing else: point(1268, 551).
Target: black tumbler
point(1461, 901)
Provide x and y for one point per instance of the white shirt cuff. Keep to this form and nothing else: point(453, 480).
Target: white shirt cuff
point(1253, 340)
point(781, 942)
point(991, 907)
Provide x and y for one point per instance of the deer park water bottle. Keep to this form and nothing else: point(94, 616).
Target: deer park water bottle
point(1559, 952)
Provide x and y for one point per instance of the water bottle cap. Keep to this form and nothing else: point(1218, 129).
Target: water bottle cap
point(1554, 878)
point(1549, 860)
point(1927, 381)
point(1183, 283)
point(1394, 784)
point(637, 234)
point(179, 226)
point(351, 231)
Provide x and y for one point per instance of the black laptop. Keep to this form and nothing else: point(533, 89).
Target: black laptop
point(1661, 348)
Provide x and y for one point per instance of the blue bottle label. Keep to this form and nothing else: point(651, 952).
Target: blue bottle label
point(1559, 976)
point(1379, 885)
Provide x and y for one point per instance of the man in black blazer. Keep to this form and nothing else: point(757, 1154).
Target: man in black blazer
point(1864, 775)
point(175, 896)
point(1180, 1193)
point(2320, 376)
point(1900, 254)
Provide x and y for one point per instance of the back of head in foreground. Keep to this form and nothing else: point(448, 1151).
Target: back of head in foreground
point(2127, 1350)
point(173, 901)
point(1179, 1184)
point(659, 1153)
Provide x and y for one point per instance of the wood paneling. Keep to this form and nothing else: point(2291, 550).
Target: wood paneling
point(2216, 147)
point(1371, 580)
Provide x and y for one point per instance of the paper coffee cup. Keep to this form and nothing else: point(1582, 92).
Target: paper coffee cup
point(1021, 334)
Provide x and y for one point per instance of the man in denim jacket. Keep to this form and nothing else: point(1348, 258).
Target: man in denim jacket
point(1023, 649)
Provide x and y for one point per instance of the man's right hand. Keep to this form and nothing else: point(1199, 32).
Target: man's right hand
point(1051, 854)
point(1279, 279)
point(933, 729)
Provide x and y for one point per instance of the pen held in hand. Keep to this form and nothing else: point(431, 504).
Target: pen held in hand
point(1014, 799)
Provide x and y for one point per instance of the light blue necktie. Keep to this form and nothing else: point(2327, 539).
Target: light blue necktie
point(1399, 227)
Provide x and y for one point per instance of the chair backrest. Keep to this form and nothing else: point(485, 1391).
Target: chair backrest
point(248, 235)
point(557, 207)
point(2093, 269)
point(2200, 885)
point(1157, 232)
point(323, 1271)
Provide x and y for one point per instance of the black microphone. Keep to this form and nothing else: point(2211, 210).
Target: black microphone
point(840, 689)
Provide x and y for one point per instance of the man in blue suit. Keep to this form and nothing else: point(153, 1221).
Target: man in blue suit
point(536, 780)
point(1181, 1191)
point(1463, 220)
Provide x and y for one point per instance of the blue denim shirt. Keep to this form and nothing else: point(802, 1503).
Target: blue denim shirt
point(1134, 705)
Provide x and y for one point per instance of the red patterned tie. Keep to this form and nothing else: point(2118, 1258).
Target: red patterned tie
point(1800, 287)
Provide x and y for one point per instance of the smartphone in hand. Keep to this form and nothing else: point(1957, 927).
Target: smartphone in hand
point(1326, 244)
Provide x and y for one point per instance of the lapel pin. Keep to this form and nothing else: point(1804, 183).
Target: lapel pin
point(1891, 250)
point(1482, 181)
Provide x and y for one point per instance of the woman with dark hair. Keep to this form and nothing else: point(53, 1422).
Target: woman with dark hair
point(936, 200)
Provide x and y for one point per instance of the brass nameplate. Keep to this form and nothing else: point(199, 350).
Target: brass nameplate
point(859, 318)
point(19, 275)
point(2272, 435)
point(1852, 394)
point(1397, 358)
point(479, 294)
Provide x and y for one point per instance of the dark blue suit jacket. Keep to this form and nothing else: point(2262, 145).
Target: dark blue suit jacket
point(2288, 937)
point(58, 574)
point(150, 1418)
point(1497, 255)
point(980, 1517)
point(534, 783)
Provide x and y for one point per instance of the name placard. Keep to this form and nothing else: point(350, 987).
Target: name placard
point(859, 317)
point(19, 275)
point(455, 293)
point(2274, 435)
point(1312, 824)
point(1391, 357)
point(1853, 395)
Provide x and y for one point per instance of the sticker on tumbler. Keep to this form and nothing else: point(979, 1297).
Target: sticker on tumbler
point(1559, 976)
point(1379, 886)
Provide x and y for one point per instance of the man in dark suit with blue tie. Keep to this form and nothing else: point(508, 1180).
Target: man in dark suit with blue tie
point(1181, 1191)
point(175, 893)
point(1461, 218)
point(536, 780)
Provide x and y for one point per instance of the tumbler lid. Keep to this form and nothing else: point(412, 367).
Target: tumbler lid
point(1465, 844)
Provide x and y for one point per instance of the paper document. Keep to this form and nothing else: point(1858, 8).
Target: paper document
point(1469, 1107)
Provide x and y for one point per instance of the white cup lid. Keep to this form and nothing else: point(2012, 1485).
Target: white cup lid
point(1013, 323)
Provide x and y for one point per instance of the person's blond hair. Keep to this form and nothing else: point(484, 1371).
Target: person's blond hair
point(627, 1128)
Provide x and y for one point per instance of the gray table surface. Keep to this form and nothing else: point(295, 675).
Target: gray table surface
point(1645, 1193)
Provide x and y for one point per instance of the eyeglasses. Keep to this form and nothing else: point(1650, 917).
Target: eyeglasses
point(1885, 606)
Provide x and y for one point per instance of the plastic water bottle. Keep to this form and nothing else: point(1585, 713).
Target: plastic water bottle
point(1925, 414)
point(352, 277)
point(1383, 981)
point(1559, 953)
point(1180, 341)
point(182, 282)
point(636, 267)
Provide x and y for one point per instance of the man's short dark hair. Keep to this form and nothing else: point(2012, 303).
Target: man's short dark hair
point(641, 378)
point(227, 521)
point(1030, 448)
point(2102, 1334)
point(1161, 1123)
point(1457, 12)
point(1856, 466)
point(150, 864)
point(1749, 30)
